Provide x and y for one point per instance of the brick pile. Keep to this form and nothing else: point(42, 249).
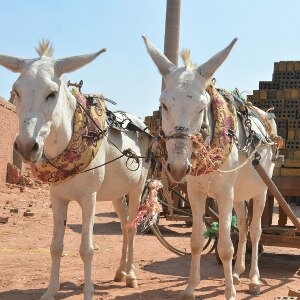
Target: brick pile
point(153, 122)
point(14, 176)
point(283, 93)
point(9, 129)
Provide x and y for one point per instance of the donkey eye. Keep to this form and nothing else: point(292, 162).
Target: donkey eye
point(164, 107)
point(52, 95)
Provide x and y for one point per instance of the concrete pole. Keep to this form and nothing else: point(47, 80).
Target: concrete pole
point(172, 32)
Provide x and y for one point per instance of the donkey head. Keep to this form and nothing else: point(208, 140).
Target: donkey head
point(183, 102)
point(40, 95)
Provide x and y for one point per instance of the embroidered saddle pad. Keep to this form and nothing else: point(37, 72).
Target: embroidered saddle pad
point(210, 158)
point(83, 146)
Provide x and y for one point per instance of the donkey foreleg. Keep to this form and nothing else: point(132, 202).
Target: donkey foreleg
point(225, 247)
point(59, 209)
point(241, 212)
point(255, 233)
point(86, 247)
point(197, 240)
point(121, 210)
point(134, 203)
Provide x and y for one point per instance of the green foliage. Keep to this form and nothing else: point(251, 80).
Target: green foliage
point(213, 229)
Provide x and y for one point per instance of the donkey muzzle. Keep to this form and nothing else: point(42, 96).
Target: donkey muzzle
point(29, 150)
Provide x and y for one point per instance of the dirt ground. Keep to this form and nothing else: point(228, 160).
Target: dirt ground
point(25, 257)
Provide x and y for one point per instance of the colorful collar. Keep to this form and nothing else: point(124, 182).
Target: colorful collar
point(208, 158)
point(83, 146)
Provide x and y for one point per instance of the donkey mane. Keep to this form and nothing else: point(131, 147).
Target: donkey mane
point(45, 48)
point(185, 55)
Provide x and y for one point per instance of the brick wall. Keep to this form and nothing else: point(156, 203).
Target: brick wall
point(8, 131)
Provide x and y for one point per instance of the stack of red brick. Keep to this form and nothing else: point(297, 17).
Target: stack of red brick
point(9, 129)
point(153, 122)
point(283, 93)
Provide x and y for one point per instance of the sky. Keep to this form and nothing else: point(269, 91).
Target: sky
point(268, 31)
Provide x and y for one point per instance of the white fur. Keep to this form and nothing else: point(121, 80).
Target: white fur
point(46, 125)
point(183, 102)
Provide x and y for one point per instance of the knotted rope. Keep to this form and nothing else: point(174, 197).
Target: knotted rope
point(210, 158)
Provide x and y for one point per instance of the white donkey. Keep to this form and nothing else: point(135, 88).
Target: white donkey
point(184, 103)
point(45, 108)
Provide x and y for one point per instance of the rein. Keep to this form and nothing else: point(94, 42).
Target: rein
point(129, 153)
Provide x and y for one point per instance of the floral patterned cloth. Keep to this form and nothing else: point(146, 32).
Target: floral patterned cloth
point(206, 159)
point(83, 146)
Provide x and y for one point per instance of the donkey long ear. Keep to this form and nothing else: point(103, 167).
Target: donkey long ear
point(208, 69)
point(70, 64)
point(15, 64)
point(161, 61)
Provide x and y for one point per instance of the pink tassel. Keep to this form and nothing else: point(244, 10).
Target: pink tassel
point(150, 207)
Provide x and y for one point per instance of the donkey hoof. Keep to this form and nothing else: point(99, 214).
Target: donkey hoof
point(184, 296)
point(254, 288)
point(119, 277)
point(131, 282)
point(236, 279)
point(88, 291)
point(47, 297)
point(88, 296)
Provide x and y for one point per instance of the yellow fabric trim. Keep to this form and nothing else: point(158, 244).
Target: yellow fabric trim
point(83, 147)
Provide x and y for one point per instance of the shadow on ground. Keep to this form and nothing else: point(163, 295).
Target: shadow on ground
point(107, 215)
point(113, 228)
point(68, 289)
point(110, 228)
point(281, 267)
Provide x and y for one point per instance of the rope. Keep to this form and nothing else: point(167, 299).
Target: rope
point(129, 153)
point(103, 164)
point(244, 163)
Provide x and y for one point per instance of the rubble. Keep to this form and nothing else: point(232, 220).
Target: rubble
point(28, 214)
point(3, 220)
point(15, 178)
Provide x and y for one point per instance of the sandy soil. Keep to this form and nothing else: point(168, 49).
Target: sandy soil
point(25, 257)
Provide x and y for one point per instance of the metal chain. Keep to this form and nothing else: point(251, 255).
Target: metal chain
point(252, 138)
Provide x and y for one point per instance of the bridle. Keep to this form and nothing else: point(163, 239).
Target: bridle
point(179, 132)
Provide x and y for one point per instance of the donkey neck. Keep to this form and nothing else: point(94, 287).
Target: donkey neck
point(61, 133)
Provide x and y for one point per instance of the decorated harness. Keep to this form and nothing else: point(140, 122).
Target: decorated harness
point(83, 146)
point(90, 123)
point(227, 107)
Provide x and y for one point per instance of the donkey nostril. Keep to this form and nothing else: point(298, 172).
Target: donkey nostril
point(35, 147)
point(168, 167)
point(15, 146)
